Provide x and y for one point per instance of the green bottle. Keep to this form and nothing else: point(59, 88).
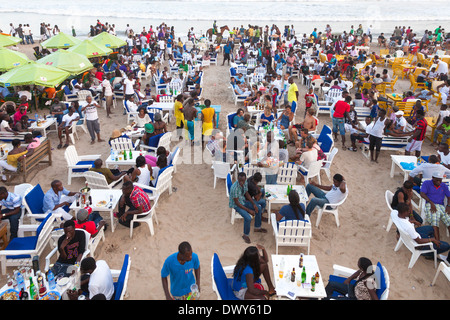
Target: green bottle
point(303, 275)
point(124, 155)
point(313, 283)
point(131, 155)
point(33, 291)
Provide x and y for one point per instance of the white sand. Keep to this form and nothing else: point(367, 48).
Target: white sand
point(200, 214)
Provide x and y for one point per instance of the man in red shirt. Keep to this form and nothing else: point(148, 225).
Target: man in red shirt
point(309, 99)
point(137, 201)
point(416, 140)
point(340, 112)
point(82, 221)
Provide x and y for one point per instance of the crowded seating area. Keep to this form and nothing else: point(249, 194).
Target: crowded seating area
point(268, 134)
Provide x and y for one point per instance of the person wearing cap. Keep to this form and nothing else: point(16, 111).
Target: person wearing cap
point(434, 192)
point(149, 132)
point(400, 122)
point(91, 222)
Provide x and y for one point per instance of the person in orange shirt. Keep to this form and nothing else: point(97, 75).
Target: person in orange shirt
point(49, 93)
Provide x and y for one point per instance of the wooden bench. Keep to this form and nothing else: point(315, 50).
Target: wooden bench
point(9, 136)
point(31, 162)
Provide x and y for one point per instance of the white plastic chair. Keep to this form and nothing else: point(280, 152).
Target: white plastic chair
point(221, 170)
point(96, 180)
point(78, 165)
point(122, 144)
point(21, 249)
point(146, 217)
point(412, 246)
point(166, 98)
point(292, 233)
point(313, 171)
point(130, 114)
point(163, 183)
point(445, 269)
point(164, 141)
point(388, 195)
point(327, 163)
point(331, 208)
point(287, 174)
point(21, 190)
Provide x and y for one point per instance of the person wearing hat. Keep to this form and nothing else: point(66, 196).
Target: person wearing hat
point(117, 134)
point(92, 222)
point(400, 122)
point(434, 192)
point(149, 132)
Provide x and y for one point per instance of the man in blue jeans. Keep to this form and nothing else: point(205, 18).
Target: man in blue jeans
point(421, 234)
point(336, 192)
point(10, 208)
point(341, 111)
point(242, 202)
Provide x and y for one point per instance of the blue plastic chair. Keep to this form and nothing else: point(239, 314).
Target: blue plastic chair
point(221, 284)
point(120, 285)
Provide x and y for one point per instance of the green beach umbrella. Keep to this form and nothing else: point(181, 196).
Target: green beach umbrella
point(90, 49)
point(6, 41)
point(72, 62)
point(108, 40)
point(34, 74)
point(61, 40)
point(10, 59)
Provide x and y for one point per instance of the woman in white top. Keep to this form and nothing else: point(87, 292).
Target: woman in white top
point(141, 174)
point(142, 118)
point(309, 156)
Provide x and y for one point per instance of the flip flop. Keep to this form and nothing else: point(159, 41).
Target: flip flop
point(59, 146)
point(66, 145)
point(262, 230)
point(246, 239)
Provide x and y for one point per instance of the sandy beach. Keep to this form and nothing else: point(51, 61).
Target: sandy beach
point(197, 213)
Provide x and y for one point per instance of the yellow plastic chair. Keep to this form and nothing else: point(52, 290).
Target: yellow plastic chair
point(416, 85)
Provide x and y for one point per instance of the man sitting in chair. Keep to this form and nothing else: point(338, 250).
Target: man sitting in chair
point(136, 200)
point(65, 124)
point(111, 175)
point(58, 200)
point(336, 193)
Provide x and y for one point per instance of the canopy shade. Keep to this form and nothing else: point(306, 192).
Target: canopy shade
point(69, 61)
point(61, 40)
point(108, 40)
point(10, 59)
point(34, 74)
point(90, 49)
point(6, 41)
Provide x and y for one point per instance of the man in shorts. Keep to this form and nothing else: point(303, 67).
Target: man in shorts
point(416, 140)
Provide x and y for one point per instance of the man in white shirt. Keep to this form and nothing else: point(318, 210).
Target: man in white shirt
point(336, 193)
point(442, 67)
point(65, 124)
point(96, 279)
point(444, 154)
point(92, 122)
point(107, 93)
point(427, 169)
point(420, 234)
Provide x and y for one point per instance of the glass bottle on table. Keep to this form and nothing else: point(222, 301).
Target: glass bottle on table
point(303, 275)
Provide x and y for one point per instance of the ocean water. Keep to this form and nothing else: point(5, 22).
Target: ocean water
point(305, 15)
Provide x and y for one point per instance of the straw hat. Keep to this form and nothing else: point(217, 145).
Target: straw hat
point(149, 128)
point(115, 134)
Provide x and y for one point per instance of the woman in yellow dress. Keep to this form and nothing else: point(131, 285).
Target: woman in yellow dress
point(178, 111)
point(14, 156)
point(208, 118)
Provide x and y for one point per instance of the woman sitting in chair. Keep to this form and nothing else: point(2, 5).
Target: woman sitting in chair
point(246, 276)
point(363, 289)
point(292, 211)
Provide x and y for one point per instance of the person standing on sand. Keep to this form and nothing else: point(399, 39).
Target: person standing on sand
point(92, 119)
point(183, 270)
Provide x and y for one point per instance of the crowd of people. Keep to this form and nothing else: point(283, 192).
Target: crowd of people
point(282, 56)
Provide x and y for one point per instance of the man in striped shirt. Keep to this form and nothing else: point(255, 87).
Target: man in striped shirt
point(416, 140)
point(137, 201)
point(10, 208)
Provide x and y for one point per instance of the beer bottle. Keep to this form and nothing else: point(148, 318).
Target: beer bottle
point(313, 283)
point(131, 155)
point(317, 277)
point(124, 155)
point(300, 262)
point(303, 275)
point(33, 290)
point(293, 275)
